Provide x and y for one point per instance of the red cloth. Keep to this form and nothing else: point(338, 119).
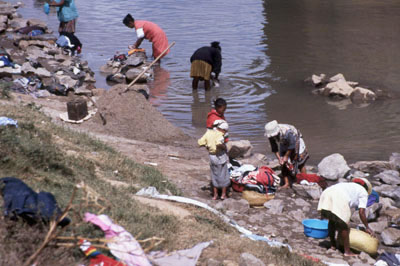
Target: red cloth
point(313, 178)
point(155, 35)
point(265, 177)
point(212, 116)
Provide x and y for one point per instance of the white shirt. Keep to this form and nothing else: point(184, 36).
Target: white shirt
point(356, 194)
point(140, 33)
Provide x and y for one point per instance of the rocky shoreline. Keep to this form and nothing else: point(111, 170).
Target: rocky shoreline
point(280, 219)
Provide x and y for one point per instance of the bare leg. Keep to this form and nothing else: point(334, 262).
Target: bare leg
point(286, 185)
point(215, 193)
point(303, 169)
point(332, 231)
point(207, 85)
point(345, 233)
point(223, 195)
point(195, 83)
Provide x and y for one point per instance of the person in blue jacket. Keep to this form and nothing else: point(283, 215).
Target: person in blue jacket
point(67, 15)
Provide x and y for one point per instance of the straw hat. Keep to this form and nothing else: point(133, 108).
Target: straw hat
point(363, 181)
point(271, 129)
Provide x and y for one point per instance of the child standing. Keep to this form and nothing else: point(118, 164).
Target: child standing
point(214, 141)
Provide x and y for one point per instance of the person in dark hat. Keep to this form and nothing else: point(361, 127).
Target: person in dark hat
point(150, 31)
point(205, 60)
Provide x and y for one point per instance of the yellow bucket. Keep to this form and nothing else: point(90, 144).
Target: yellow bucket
point(255, 198)
point(362, 241)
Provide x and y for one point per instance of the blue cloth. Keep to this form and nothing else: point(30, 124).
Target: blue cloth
point(5, 121)
point(35, 33)
point(7, 61)
point(46, 8)
point(20, 200)
point(67, 12)
point(374, 197)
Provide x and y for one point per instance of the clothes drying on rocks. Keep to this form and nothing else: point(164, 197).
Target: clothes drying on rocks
point(312, 178)
point(69, 42)
point(122, 245)
point(21, 201)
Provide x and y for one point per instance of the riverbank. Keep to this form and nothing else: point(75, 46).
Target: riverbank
point(158, 144)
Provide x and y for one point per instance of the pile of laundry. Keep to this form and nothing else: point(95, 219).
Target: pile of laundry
point(248, 177)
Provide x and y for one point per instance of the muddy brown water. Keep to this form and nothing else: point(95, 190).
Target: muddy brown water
point(268, 48)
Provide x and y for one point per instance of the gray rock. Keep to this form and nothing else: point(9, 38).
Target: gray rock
point(378, 227)
point(391, 237)
point(257, 218)
point(67, 81)
point(318, 80)
point(134, 61)
point(394, 161)
point(393, 215)
point(238, 206)
point(396, 196)
point(372, 212)
point(17, 23)
point(274, 206)
point(337, 77)
point(339, 88)
point(82, 90)
point(118, 77)
point(3, 27)
point(371, 166)
point(390, 177)
point(133, 73)
point(105, 69)
point(302, 203)
point(42, 73)
point(308, 192)
point(360, 95)
point(383, 188)
point(37, 22)
point(34, 53)
point(9, 71)
point(333, 167)
point(247, 259)
point(3, 19)
point(89, 78)
point(43, 94)
point(387, 203)
point(298, 215)
point(256, 159)
point(239, 148)
point(7, 11)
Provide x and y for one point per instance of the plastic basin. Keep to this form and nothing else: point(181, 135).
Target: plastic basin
point(315, 228)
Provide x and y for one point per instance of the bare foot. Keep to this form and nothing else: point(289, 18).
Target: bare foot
point(215, 197)
point(223, 197)
point(333, 248)
point(284, 187)
point(350, 254)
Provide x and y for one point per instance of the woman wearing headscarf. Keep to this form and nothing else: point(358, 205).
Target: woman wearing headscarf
point(335, 205)
point(67, 15)
point(205, 60)
point(289, 148)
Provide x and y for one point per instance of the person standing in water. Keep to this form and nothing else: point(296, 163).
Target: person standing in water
point(205, 60)
point(150, 31)
point(67, 15)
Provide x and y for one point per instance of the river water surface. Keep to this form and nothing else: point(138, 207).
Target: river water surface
point(269, 47)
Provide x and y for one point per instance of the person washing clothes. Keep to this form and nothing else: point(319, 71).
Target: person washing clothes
point(205, 60)
point(291, 153)
point(150, 31)
point(214, 141)
point(67, 15)
point(335, 205)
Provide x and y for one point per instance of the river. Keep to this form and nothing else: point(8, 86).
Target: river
point(268, 47)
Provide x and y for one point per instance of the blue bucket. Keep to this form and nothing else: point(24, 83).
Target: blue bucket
point(46, 8)
point(315, 228)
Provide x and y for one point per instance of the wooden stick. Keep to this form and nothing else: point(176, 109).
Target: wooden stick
point(98, 110)
point(148, 67)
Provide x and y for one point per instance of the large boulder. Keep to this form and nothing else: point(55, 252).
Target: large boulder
point(17, 23)
point(247, 259)
point(360, 95)
point(378, 227)
point(337, 77)
point(394, 161)
point(333, 167)
point(37, 22)
point(338, 88)
point(239, 148)
point(133, 73)
point(393, 215)
point(391, 237)
point(372, 167)
point(390, 177)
